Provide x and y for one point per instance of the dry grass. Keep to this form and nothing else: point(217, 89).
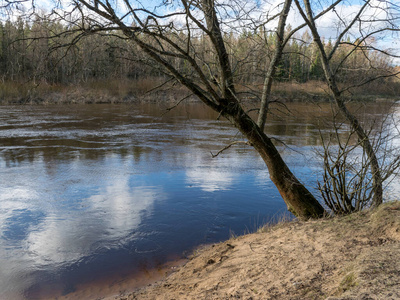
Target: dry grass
point(123, 90)
point(318, 90)
point(295, 89)
point(123, 87)
point(93, 91)
point(12, 90)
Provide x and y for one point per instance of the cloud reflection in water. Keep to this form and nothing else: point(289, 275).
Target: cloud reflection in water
point(43, 230)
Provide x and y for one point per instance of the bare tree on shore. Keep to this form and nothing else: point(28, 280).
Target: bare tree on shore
point(170, 35)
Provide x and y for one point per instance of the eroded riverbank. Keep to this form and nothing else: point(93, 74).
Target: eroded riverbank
point(351, 257)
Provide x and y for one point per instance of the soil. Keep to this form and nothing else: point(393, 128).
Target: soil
point(350, 257)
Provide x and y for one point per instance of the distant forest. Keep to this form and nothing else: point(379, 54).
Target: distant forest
point(48, 51)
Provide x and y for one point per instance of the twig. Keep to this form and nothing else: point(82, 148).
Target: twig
point(175, 105)
point(228, 146)
point(159, 86)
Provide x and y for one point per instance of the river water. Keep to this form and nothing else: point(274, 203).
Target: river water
point(98, 193)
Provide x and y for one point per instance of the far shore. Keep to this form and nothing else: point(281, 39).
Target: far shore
point(123, 91)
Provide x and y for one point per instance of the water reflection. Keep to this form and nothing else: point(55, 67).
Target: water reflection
point(94, 192)
point(209, 180)
point(53, 219)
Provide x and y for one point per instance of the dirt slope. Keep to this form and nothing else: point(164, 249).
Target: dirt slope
point(351, 257)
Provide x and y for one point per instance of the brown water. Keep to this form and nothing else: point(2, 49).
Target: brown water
point(96, 195)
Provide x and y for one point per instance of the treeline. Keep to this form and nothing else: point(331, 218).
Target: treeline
point(50, 51)
point(43, 50)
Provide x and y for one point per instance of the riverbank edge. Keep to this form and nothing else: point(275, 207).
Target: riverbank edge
point(347, 257)
point(82, 95)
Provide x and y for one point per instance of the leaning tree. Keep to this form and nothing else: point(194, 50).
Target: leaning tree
point(188, 41)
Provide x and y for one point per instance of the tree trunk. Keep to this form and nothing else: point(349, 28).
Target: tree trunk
point(266, 93)
point(298, 199)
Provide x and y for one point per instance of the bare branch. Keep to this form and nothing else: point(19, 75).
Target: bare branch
point(230, 145)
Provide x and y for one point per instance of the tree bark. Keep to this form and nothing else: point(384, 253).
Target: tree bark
point(298, 199)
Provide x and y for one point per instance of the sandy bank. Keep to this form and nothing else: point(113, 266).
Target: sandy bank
point(351, 257)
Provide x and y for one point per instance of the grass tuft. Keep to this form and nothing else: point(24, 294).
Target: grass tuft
point(349, 281)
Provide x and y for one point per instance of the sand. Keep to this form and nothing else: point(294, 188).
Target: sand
point(350, 257)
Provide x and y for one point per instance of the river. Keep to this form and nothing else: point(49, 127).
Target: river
point(91, 195)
